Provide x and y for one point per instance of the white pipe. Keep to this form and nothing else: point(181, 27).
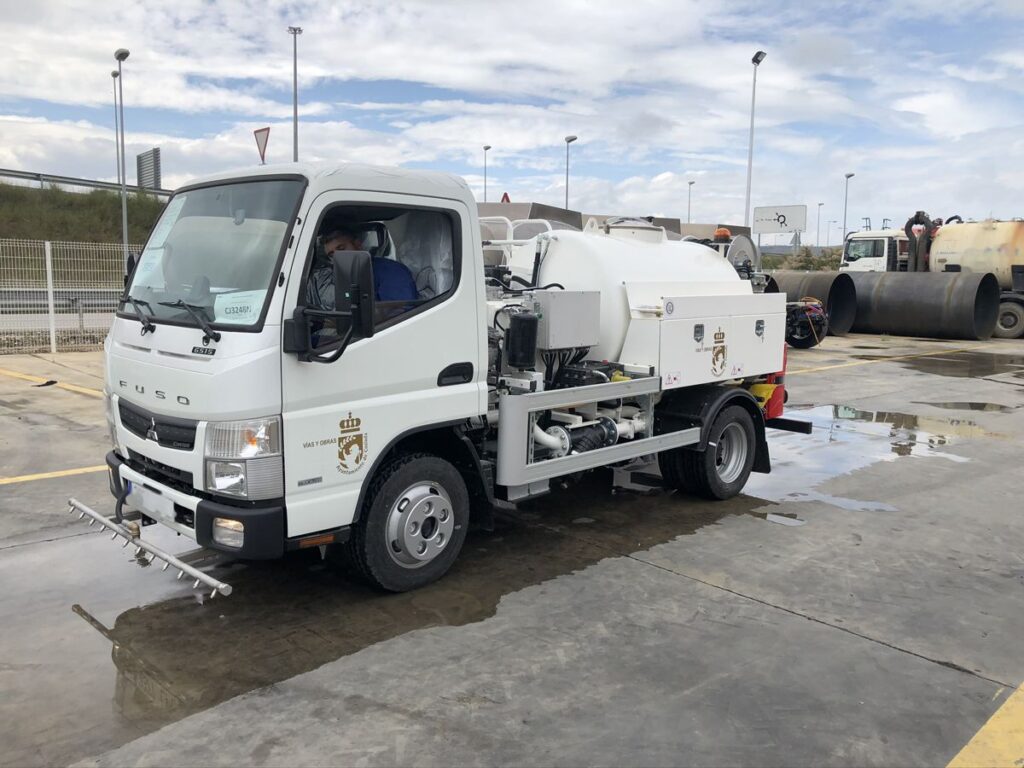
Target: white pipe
point(548, 441)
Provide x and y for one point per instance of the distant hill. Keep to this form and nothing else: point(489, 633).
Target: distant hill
point(55, 214)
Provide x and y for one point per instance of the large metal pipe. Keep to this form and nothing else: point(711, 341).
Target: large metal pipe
point(834, 289)
point(945, 305)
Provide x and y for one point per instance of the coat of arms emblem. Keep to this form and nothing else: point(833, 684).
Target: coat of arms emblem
point(352, 444)
point(718, 354)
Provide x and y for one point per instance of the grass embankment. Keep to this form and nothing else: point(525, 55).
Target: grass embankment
point(28, 213)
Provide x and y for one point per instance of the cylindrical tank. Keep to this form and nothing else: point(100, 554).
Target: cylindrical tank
point(834, 289)
point(953, 305)
point(981, 246)
point(589, 261)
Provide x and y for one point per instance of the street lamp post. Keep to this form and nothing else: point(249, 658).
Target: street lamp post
point(117, 129)
point(568, 140)
point(846, 197)
point(486, 147)
point(755, 60)
point(828, 232)
point(689, 198)
point(295, 32)
point(121, 54)
point(817, 233)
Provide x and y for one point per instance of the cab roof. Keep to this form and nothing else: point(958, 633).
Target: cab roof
point(874, 233)
point(327, 176)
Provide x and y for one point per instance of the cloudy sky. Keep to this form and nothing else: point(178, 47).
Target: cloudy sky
point(923, 101)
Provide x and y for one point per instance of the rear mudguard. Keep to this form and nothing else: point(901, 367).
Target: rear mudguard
point(700, 405)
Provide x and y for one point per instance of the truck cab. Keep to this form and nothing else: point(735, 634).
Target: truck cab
point(314, 355)
point(871, 251)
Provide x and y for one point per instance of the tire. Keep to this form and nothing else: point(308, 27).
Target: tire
point(413, 523)
point(1011, 321)
point(721, 470)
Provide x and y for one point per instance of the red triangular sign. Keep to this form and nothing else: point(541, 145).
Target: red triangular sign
point(262, 134)
point(505, 198)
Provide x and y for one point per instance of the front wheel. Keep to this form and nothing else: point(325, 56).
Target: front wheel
point(721, 470)
point(1011, 321)
point(413, 523)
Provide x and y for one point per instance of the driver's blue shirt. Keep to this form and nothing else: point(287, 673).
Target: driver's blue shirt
point(392, 281)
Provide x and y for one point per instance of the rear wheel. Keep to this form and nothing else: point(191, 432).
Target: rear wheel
point(721, 470)
point(1011, 321)
point(413, 523)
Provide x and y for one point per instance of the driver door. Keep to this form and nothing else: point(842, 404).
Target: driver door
point(340, 418)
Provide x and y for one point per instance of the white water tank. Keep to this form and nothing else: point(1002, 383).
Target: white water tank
point(594, 261)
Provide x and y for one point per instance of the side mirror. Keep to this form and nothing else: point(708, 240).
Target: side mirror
point(353, 289)
point(296, 332)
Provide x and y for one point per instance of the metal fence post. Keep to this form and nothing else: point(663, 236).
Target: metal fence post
point(52, 315)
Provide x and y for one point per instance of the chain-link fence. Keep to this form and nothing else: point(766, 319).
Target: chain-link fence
point(58, 296)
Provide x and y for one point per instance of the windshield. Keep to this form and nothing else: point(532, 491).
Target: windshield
point(216, 248)
point(863, 249)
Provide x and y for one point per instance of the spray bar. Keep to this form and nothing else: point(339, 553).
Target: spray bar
point(140, 545)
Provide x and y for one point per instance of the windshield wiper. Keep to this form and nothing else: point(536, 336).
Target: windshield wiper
point(137, 304)
point(197, 315)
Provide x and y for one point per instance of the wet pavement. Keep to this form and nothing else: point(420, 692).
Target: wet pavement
point(861, 604)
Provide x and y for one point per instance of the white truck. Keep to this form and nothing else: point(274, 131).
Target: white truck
point(315, 355)
point(951, 246)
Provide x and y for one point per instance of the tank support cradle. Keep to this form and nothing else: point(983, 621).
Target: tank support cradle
point(132, 537)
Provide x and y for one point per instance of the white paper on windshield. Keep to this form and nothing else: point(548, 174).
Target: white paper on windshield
point(167, 221)
point(241, 308)
point(148, 272)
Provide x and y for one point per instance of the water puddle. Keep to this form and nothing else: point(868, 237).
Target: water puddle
point(971, 364)
point(971, 406)
point(846, 439)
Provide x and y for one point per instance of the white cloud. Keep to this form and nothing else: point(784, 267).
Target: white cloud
point(657, 91)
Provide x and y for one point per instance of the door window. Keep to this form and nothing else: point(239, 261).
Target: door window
point(415, 254)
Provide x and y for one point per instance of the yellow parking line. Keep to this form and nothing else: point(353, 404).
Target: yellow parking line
point(1000, 742)
point(885, 359)
point(61, 384)
point(51, 475)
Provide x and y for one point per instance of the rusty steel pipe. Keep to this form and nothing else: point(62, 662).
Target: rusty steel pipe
point(944, 305)
point(835, 290)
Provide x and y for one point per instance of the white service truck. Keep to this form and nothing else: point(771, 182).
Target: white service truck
point(316, 355)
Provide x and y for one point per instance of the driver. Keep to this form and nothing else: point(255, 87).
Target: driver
point(392, 280)
point(320, 288)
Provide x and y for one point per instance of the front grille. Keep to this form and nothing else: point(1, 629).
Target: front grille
point(170, 431)
point(173, 477)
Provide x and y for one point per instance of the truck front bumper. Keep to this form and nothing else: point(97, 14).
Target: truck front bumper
point(264, 524)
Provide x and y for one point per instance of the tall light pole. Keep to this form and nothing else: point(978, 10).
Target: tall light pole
point(817, 233)
point(117, 129)
point(121, 54)
point(295, 32)
point(828, 231)
point(568, 140)
point(689, 198)
point(755, 60)
point(846, 196)
point(486, 147)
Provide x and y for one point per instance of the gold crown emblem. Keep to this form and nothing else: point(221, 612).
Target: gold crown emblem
point(719, 335)
point(349, 424)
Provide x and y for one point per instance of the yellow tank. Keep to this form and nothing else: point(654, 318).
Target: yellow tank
point(983, 246)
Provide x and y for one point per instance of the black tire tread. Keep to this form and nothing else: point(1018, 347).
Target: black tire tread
point(685, 469)
point(355, 547)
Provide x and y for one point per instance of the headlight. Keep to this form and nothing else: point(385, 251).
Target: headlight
point(243, 458)
point(108, 403)
point(226, 477)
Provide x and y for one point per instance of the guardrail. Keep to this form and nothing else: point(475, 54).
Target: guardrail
point(58, 296)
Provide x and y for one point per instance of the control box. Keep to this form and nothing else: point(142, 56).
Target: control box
point(567, 319)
